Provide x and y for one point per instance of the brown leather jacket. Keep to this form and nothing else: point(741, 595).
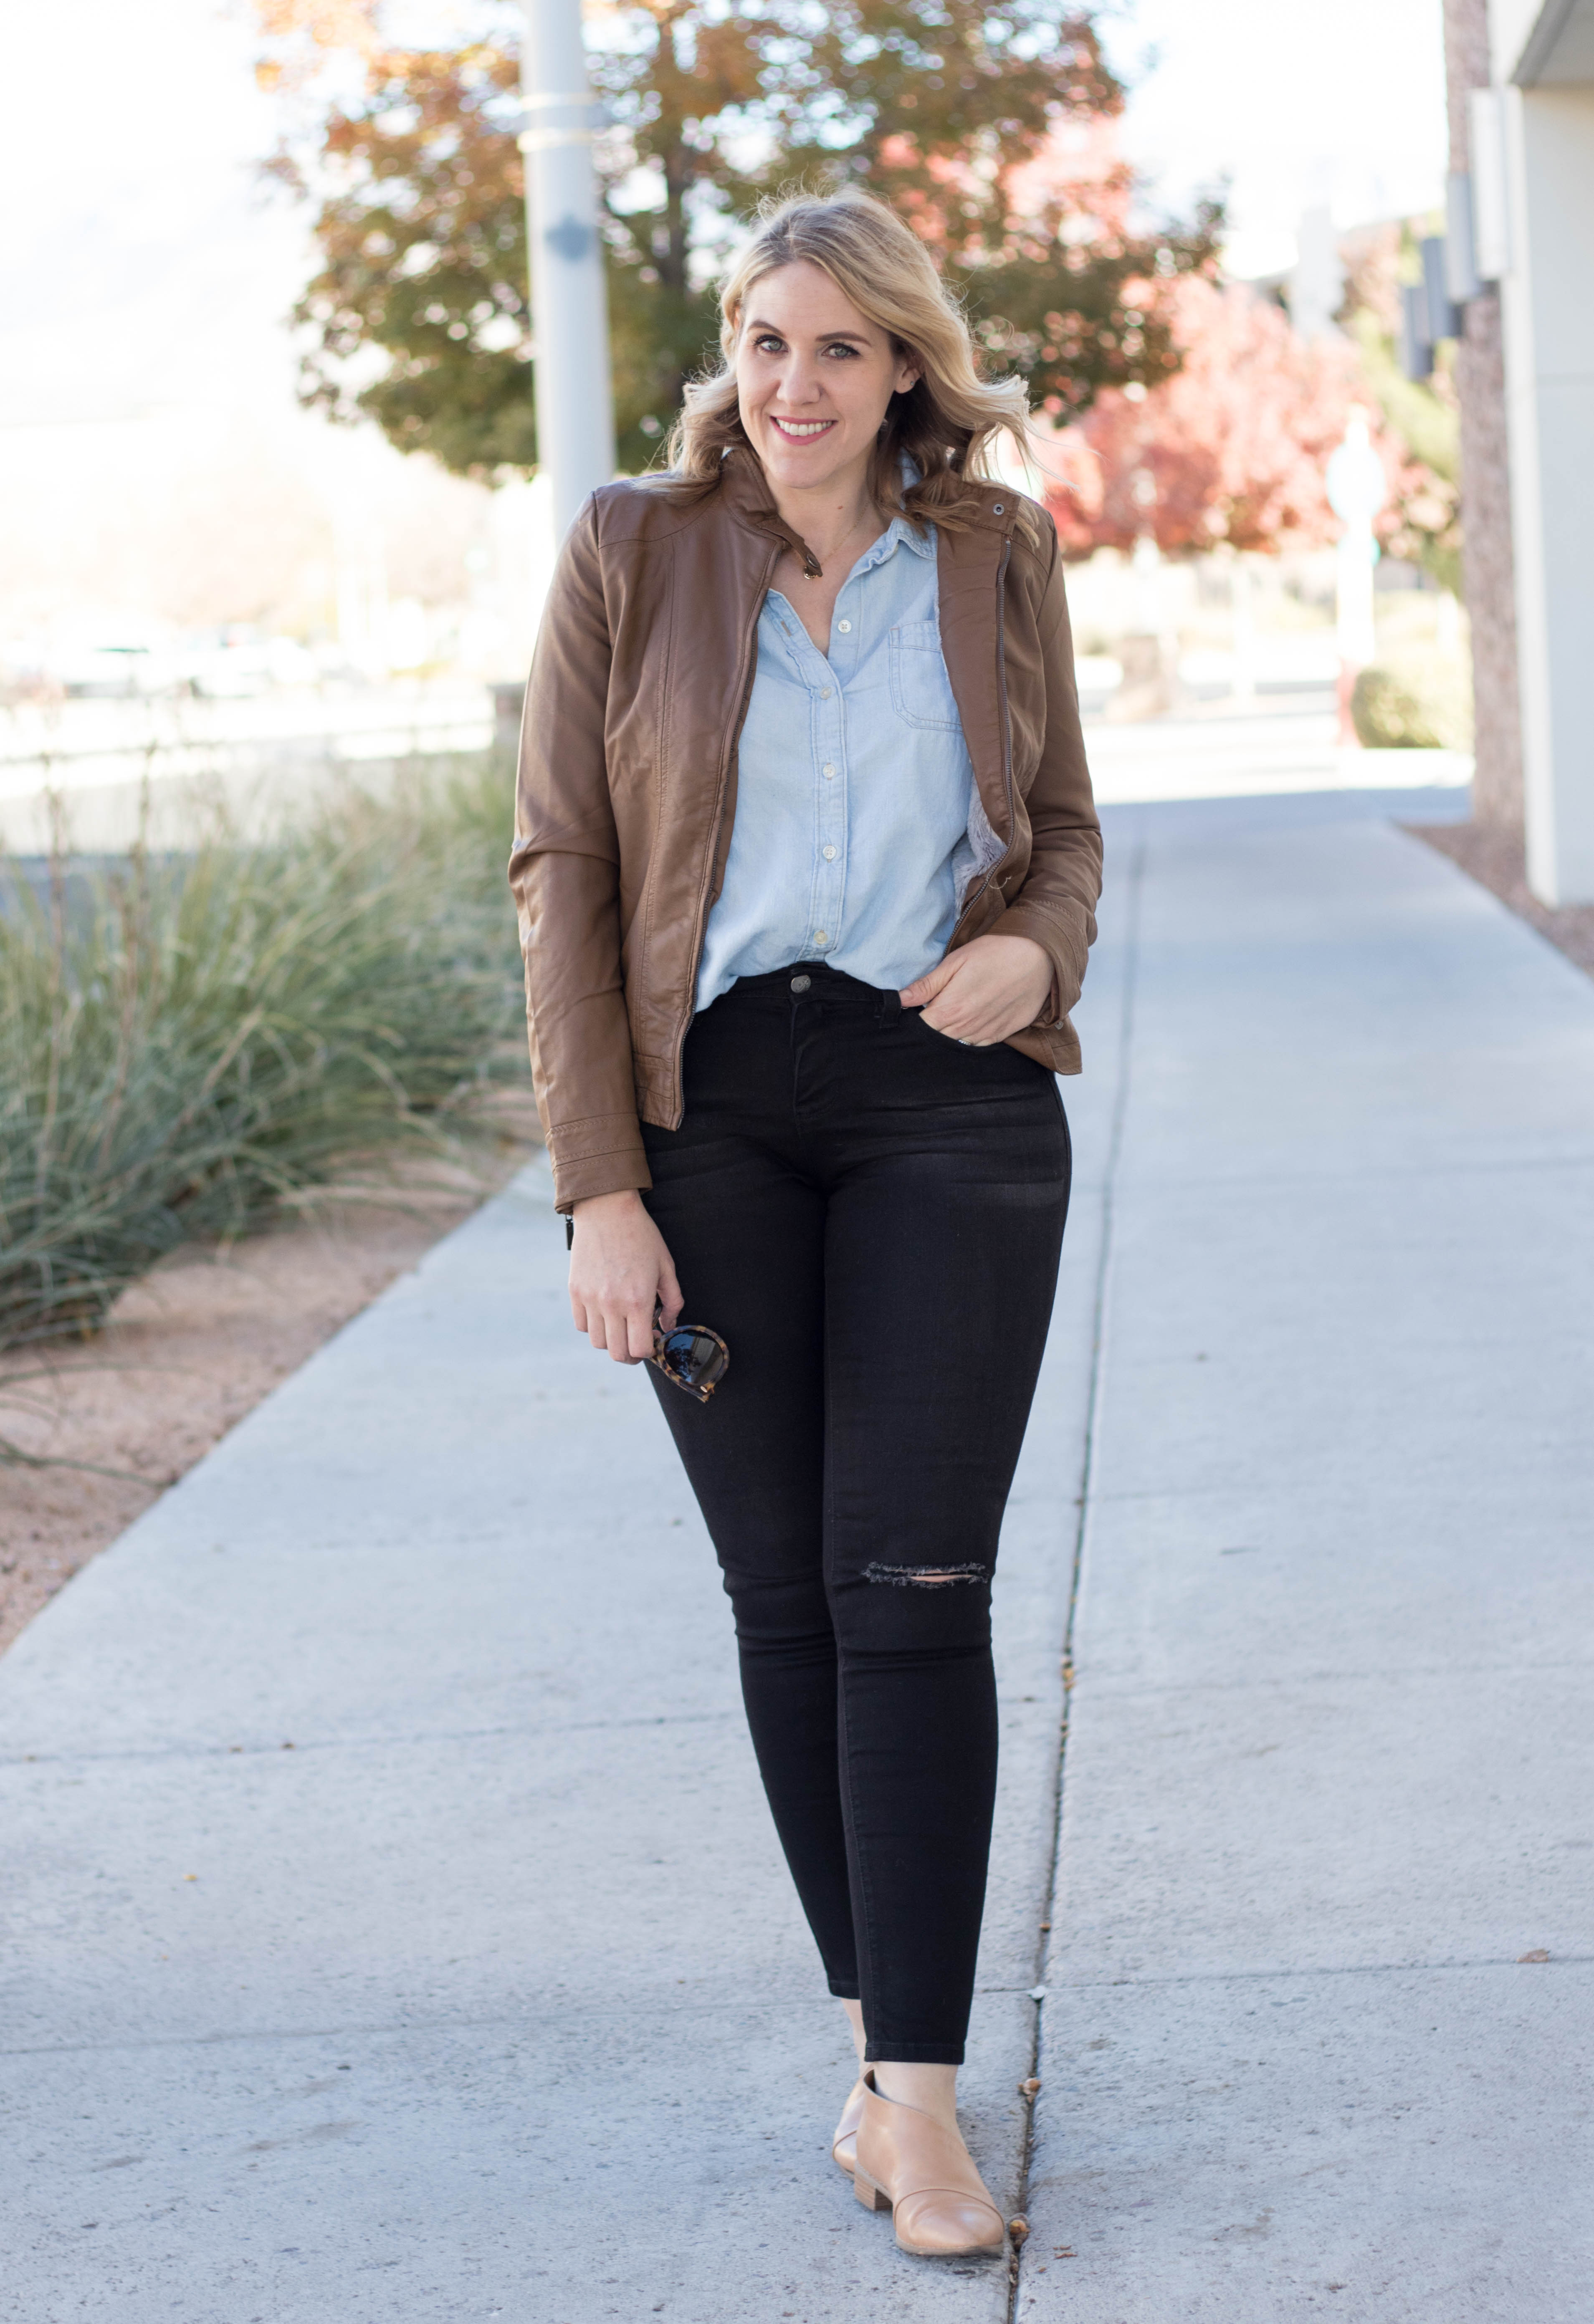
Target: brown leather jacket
point(628, 787)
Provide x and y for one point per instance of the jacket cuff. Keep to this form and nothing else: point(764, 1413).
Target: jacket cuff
point(586, 1161)
point(1057, 941)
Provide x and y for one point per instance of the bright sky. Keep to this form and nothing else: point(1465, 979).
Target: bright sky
point(143, 269)
point(1298, 104)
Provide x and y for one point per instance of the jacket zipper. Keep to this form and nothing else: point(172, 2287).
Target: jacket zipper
point(1002, 685)
point(744, 675)
point(1001, 679)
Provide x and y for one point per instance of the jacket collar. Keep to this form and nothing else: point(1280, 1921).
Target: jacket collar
point(744, 490)
point(969, 568)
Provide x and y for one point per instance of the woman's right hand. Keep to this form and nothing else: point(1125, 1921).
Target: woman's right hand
point(620, 1267)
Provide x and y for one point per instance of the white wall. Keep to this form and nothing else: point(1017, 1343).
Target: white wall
point(1509, 23)
point(1549, 324)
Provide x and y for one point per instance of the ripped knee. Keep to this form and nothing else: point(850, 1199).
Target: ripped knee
point(924, 1577)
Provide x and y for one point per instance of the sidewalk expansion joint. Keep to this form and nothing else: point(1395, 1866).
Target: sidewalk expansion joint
point(1062, 1982)
point(1361, 1174)
point(1131, 1690)
point(519, 2025)
point(1083, 1505)
point(187, 1752)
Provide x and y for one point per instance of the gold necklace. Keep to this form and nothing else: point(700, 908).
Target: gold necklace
point(859, 526)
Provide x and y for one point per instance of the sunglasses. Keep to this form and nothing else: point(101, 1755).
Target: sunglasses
point(692, 1356)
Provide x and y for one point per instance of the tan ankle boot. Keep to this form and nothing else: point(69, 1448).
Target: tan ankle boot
point(843, 2147)
point(907, 2159)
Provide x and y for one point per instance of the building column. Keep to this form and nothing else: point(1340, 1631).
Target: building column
point(1548, 314)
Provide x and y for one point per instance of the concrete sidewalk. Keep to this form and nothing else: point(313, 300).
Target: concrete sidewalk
point(489, 1997)
point(1330, 1783)
point(398, 1932)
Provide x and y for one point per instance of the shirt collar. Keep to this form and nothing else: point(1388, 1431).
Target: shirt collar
point(898, 534)
point(901, 533)
point(741, 479)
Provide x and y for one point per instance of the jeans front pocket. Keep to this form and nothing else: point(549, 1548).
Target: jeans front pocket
point(921, 691)
point(935, 1032)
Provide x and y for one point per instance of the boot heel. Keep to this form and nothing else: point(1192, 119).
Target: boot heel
point(870, 2196)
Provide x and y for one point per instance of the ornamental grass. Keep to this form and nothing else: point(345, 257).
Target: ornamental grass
point(189, 1043)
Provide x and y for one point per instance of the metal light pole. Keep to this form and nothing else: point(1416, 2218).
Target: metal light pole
point(569, 310)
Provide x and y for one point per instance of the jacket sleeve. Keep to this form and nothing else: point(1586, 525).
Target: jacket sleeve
point(1057, 905)
point(565, 871)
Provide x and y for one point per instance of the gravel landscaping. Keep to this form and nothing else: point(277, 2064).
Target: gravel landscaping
point(1495, 859)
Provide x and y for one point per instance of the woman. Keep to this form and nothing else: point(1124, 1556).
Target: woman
point(806, 863)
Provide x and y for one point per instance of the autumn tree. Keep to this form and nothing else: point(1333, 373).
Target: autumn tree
point(944, 107)
point(1232, 448)
point(956, 113)
point(422, 235)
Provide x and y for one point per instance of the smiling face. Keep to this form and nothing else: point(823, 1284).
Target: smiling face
point(814, 378)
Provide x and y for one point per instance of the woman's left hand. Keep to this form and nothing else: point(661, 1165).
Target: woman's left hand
point(990, 987)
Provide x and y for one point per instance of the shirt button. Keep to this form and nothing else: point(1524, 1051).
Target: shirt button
point(829, 774)
point(843, 627)
point(820, 936)
point(801, 984)
point(829, 854)
point(825, 694)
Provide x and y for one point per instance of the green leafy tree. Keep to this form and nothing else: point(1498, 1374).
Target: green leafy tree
point(423, 244)
point(946, 108)
point(1422, 418)
point(1422, 522)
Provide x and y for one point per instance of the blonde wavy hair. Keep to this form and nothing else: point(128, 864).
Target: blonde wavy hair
point(945, 423)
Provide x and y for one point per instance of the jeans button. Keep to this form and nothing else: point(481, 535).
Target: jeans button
point(801, 984)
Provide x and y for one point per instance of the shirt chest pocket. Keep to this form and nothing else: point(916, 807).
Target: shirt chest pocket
point(921, 691)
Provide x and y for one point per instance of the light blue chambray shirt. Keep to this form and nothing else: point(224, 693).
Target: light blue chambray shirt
point(856, 791)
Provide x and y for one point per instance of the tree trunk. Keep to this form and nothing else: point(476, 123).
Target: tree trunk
point(1489, 577)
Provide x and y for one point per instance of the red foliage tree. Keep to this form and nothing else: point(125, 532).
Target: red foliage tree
point(974, 118)
point(1231, 448)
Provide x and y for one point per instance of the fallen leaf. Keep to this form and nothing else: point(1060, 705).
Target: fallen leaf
point(1018, 2229)
point(1030, 2087)
point(1538, 1954)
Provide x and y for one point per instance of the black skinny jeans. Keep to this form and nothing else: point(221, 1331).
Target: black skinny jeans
point(870, 1215)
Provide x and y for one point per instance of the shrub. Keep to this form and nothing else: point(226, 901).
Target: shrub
point(1419, 700)
point(186, 1043)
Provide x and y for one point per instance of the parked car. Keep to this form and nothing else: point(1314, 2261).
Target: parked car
point(114, 672)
